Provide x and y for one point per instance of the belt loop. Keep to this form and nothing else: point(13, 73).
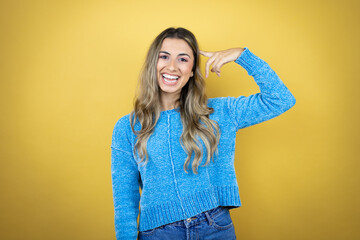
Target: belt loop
point(208, 218)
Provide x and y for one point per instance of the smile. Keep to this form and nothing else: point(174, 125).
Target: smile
point(170, 78)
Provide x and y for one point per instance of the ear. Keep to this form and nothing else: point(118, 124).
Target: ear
point(192, 74)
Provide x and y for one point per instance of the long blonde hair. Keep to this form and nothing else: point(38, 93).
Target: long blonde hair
point(192, 102)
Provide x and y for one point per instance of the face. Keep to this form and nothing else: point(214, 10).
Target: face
point(174, 66)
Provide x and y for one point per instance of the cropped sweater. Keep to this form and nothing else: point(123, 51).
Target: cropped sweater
point(169, 194)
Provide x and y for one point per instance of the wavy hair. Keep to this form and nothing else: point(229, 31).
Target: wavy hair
point(192, 103)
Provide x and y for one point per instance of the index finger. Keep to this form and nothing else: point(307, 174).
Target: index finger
point(206, 54)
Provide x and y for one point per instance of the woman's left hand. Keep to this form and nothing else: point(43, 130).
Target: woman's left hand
point(218, 59)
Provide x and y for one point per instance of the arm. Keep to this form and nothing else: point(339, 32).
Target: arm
point(125, 184)
point(274, 97)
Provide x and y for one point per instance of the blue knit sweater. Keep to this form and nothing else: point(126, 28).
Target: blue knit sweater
point(169, 194)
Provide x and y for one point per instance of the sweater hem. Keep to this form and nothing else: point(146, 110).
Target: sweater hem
point(190, 205)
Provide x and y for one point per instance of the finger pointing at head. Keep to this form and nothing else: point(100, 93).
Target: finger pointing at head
point(206, 54)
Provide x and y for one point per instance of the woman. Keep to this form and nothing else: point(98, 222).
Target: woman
point(173, 126)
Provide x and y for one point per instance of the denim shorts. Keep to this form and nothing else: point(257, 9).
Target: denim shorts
point(214, 224)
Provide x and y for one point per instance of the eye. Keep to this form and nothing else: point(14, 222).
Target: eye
point(183, 60)
point(163, 57)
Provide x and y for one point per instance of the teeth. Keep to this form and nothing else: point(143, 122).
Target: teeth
point(169, 81)
point(169, 76)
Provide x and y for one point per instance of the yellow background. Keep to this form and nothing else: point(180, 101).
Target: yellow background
point(69, 70)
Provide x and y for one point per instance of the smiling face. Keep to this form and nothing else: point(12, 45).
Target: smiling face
point(174, 67)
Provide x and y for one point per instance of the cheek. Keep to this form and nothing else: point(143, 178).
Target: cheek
point(159, 67)
point(187, 68)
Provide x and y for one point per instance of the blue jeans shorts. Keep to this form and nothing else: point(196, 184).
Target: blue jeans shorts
point(214, 224)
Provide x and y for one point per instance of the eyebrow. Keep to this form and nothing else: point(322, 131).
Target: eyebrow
point(181, 54)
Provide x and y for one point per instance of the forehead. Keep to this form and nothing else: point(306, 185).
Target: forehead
point(176, 46)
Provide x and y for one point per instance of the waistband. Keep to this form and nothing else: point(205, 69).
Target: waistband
point(201, 217)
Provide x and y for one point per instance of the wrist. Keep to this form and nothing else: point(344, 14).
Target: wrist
point(240, 51)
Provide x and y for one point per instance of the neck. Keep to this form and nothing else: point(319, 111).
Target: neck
point(169, 101)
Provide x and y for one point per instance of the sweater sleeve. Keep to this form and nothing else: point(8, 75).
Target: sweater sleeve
point(125, 184)
point(274, 97)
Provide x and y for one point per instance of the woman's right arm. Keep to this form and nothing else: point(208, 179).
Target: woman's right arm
point(125, 183)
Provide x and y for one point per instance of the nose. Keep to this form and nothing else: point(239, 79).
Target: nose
point(172, 65)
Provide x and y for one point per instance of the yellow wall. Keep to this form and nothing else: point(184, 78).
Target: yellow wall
point(68, 71)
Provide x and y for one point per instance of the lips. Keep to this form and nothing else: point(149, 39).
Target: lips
point(169, 79)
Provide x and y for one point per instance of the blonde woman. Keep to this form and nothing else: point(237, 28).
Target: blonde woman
point(178, 146)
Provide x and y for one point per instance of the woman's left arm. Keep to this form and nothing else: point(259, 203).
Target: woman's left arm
point(274, 97)
point(218, 59)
